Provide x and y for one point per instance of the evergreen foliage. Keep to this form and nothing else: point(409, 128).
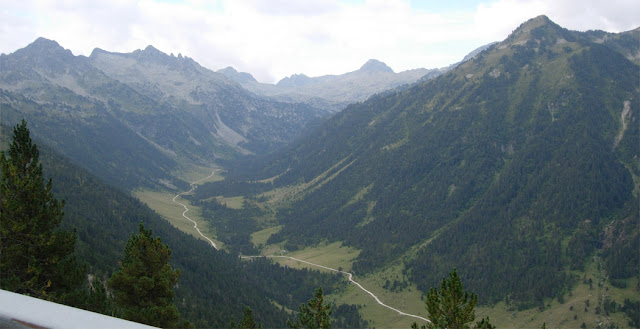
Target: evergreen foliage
point(143, 288)
point(632, 310)
point(509, 167)
point(36, 257)
point(347, 316)
point(314, 314)
point(94, 138)
point(247, 321)
point(451, 307)
point(214, 285)
point(485, 324)
point(233, 226)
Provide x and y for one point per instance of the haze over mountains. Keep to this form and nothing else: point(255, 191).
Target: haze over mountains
point(520, 166)
point(172, 111)
point(333, 91)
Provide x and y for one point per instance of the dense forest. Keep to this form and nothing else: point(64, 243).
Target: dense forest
point(214, 286)
point(518, 168)
point(513, 166)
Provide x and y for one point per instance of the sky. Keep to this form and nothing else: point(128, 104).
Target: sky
point(273, 39)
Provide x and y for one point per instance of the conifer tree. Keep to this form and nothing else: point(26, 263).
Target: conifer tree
point(36, 257)
point(451, 307)
point(247, 321)
point(314, 314)
point(143, 287)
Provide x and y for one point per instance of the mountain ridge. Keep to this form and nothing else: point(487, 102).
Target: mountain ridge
point(180, 113)
point(334, 92)
point(515, 144)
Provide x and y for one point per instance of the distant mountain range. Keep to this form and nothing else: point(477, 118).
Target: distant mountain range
point(333, 92)
point(152, 114)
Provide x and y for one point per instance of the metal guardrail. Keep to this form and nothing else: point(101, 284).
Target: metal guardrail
point(20, 311)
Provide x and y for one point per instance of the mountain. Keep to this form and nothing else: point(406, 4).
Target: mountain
point(239, 77)
point(51, 88)
point(375, 66)
point(214, 286)
point(334, 92)
point(513, 167)
point(626, 43)
point(475, 52)
point(135, 119)
point(251, 124)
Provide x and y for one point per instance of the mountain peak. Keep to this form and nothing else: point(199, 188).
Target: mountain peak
point(533, 23)
point(538, 20)
point(97, 51)
point(239, 77)
point(228, 69)
point(150, 53)
point(374, 65)
point(44, 46)
point(152, 49)
point(296, 80)
point(537, 28)
point(44, 42)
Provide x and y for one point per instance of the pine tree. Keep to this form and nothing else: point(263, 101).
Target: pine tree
point(314, 314)
point(36, 258)
point(485, 324)
point(247, 321)
point(143, 287)
point(451, 307)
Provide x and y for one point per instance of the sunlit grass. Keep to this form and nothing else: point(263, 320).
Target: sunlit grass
point(162, 203)
point(571, 313)
point(260, 237)
point(236, 202)
point(332, 255)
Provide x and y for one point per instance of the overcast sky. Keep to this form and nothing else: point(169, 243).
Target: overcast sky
point(272, 39)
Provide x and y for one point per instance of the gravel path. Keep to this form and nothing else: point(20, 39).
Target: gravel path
point(350, 277)
point(184, 213)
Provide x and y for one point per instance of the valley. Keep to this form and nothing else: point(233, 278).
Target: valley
point(186, 209)
point(326, 257)
point(517, 166)
point(384, 305)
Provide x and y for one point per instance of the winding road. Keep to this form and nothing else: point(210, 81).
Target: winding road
point(349, 275)
point(184, 213)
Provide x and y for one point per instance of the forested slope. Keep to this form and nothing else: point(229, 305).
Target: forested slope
point(516, 163)
point(214, 285)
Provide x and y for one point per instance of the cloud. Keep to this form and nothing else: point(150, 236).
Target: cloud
point(294, 7)
point(275, 38)
point(612, 16)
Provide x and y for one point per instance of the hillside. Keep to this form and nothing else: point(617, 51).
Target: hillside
point(512, 167)
point(136, 119)
point(249, 123)
point(214, 286)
